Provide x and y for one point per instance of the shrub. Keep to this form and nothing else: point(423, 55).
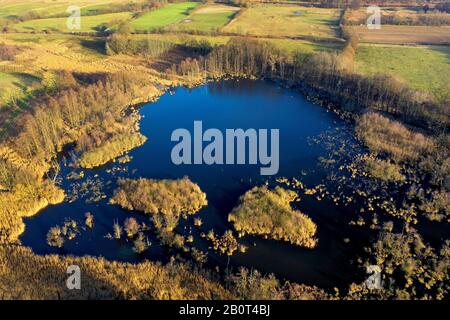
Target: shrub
point(55, 237)
point(383, 135)
point(268, 212)
point(89, 220)
point(383, 170)
point(111, 149)
point(226, 244)
point(139, 244)
point(117, 230)
point(131, 227)
point(437, 207)
point(169, 197)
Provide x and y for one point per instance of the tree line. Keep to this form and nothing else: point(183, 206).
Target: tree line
point(328, 74)
point(59, 119)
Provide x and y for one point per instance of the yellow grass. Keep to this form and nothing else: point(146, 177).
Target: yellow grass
point(404, 34)
point(383, 135)
point(282, 21)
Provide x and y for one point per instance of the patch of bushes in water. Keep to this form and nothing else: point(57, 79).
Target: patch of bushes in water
point(226, 244)
point(165, 200)
point(383, 169)
point(169, 197)
point(269, 213)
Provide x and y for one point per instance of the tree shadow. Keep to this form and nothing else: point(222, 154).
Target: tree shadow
point(96, 45)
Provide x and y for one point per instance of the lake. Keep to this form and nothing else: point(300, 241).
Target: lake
point(223, 105)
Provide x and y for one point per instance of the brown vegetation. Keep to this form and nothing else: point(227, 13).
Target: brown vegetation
point(411, 269)
point(111, 149)
point(165, 200)
point(383, 169)
point(405, 34)
point(268, 212)
point(169, 197)
point(383, 135)
point(24, 275)
point(399, 17)
point(226, 244)
point(22, 201)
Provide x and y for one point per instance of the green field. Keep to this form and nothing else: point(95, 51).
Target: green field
point(13, 85)
point(88, 23)
point(48, 8)
point(16, 9)
point(165, 16)
point(286, 21)
point(424, 68)
point(209, 18)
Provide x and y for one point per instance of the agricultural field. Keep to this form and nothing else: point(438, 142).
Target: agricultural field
point(49, 8)
point(163, 17)
point(396, 34)
point(422, 67)
point(209, 18)
point(286, 21)
point(13, 8)
point(88, 23)
point(400, 16)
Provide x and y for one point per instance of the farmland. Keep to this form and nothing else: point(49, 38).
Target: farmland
point(286, 21)
point(209, 18)
point(396, 34)
point(163, 17)
point(400, 16)
point(415, 66)
point(88, 23)
point(47, 8)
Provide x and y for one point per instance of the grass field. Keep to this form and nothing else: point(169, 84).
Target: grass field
point(14, 85)
point(88, 23)
point(209, 18)
point(405, 34)
point(165, 16)
point(48, 8)
point(424, 68)
point(11, 9)
point(286, 21)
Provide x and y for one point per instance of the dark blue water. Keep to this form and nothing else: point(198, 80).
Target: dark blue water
point(225, 105)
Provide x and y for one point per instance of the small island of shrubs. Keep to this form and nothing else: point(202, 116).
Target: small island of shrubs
point(168, 197)
point(166, 200)
point(268, 213)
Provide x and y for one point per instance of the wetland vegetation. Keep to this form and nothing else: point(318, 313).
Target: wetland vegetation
point(365, 178)
point(269, 213)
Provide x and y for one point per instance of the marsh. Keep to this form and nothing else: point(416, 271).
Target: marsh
point(226, 104)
